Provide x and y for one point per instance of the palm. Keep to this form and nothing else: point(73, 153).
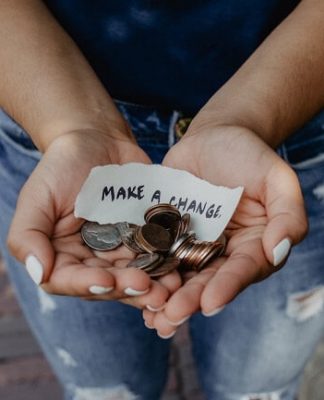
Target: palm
point(71, 268)
point(232, 156)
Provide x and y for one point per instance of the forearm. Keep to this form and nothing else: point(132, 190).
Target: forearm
point(46, 84)
point(281, 85)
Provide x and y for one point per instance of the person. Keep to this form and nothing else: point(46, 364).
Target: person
point(251, 76)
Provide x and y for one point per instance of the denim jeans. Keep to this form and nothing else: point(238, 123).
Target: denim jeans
point(256, 348)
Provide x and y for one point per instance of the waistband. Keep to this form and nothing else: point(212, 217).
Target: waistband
point(164, 128)
point(154, 125)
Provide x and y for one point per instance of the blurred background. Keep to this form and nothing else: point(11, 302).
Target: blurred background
point(26, 375)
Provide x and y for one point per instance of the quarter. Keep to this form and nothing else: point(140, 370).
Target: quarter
point(100, 237)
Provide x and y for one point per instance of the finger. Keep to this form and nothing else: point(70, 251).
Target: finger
point(286, 213)
point(186, 300)
point(148, 317)
point(155, 299)
point(71, 278)
point(76, 279)
point(28, 238)
point(163, 328)
point(245, 266)
point(130, 282)
point(171, 281)
point(160, 291)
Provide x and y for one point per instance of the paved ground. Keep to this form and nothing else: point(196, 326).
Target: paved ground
point(25, 374)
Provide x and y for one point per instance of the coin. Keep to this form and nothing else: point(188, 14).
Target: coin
point(165, 234)
point(145, 261)
point(222, 239)
point(129, 242)
point(125, 228)
point(160, 208)
point(169, 265)
point(165, 215)
point(212, 251)
point(100, 237)
point(186, 237)
point(153, 238)
point(183, 226)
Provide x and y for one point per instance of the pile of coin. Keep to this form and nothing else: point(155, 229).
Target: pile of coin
point(164, 243)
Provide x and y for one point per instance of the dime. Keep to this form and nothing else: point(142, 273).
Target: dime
point(169, 265)
point(125, 228)
point(100, 237)
point(126, 231)
point(145, 261)
point(129, 242)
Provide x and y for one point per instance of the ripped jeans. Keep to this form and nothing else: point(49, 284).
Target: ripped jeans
point(256, 348)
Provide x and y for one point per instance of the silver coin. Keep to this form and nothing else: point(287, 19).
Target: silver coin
point(128, 241)
point(100, 237)
point(145, 260)
point(125, 228)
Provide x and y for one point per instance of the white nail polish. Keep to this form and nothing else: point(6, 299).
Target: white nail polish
point(155, 309)
point(133, 292)
point(94, 289)
point(166, 336)
point(34, 268)
point(214, 312)
point(280, 252)
point(179, 322)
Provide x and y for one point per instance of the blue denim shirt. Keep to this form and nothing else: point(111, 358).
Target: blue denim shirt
point(172, 54)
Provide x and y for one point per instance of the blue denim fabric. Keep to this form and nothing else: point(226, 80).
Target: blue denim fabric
point(102, 351)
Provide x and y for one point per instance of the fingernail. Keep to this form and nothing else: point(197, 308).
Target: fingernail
point(155, 309)
point(34, 268)
point(148, 326)
point(133, 292)
point(214, 312)
point(100, 289)
point(179, 322)
point(166, 336)
point(280, 252)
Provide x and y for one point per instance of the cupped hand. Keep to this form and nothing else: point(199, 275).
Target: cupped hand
point(45, 235)
point(269, 219)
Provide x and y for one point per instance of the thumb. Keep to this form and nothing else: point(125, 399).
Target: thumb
point(29, 234)
point(285, 209)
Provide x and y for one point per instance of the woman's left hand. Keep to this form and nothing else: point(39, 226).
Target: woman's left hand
point(269, 219)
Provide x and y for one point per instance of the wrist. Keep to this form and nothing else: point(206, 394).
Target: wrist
point(88, 148)
point(105, 131)
point(244, 114)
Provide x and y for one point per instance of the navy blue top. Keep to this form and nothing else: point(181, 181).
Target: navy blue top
point(172, 54)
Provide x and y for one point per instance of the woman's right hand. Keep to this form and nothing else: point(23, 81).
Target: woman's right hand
point(45, 235)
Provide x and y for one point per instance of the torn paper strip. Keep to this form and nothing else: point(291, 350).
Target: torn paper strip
point(116, 193)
